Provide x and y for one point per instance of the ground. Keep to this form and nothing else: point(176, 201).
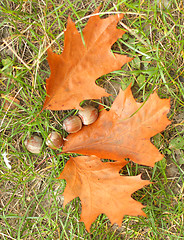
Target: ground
point(30, 195)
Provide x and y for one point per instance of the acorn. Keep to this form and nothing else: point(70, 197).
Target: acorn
point(72, 124)
point(89, 115)
point(54, 140)
point(34, 144)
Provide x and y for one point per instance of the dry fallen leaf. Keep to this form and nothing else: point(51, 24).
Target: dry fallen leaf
point(124, 131)
point(74, 72)
point(101, 189)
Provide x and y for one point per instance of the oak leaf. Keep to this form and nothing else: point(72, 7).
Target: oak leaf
point(124, 131)
point(101, 189)
point(83, 60)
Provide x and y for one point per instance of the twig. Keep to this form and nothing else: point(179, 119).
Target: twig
point(103, 13)
point(86, 17)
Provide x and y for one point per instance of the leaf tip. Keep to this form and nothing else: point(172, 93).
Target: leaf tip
point(143, 213)
point(49, 51)
point(98, 8)
point(86, 223)
point(70, 24)
point(146, 182)
point(64, 203)
point(60, 176)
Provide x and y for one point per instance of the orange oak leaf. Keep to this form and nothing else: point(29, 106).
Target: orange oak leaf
point(124, 131)
point(101, 189)
point(84, 59)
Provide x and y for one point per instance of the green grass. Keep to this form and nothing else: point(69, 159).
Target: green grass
point(31, 198)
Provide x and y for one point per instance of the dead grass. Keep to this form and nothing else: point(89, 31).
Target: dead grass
point(31, 199)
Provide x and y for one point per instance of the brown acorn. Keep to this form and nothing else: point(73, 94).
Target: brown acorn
point(33, 144)
point(72, 124)
point(89, 115)
point(54, 140)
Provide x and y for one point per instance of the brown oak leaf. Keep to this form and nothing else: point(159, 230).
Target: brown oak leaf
point(83, 60)
point(124, 131)
point(101, 189)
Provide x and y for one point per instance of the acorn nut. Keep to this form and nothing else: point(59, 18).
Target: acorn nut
point(33, 144)
point(72, 124)
point(54, 140)
point(89, 115)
